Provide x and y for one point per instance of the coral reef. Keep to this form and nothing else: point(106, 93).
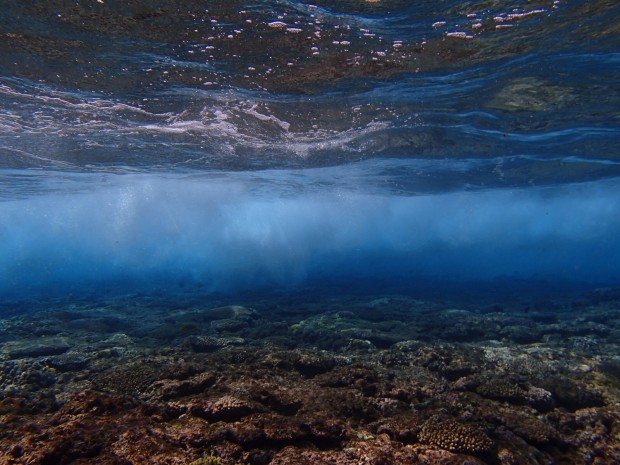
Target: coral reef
point(455, 436)
point(226, 408)
point(294, 384)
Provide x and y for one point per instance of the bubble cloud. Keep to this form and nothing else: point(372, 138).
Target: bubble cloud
point(146, 232)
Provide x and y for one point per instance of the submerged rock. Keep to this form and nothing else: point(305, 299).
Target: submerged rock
point(308, 363)
point(38, 348)
point(67, 362)
point(228, 325)
point(211, 343)
point(571, 394)
point(532, 94)
point(531, 428)
point(171, 389)
point(228, 312)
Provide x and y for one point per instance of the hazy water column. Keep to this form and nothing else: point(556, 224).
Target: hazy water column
point(152, 232)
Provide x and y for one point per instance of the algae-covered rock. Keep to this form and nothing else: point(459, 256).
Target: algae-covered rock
point(571, 394)
point(38, 348)
point(531, 94)
point(230, 325)
point(171, 389)
point(308, 363)
point(67, 362)
point(532, 429)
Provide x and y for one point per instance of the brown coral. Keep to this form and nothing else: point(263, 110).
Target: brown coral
point(503, 390)
point(530, 428)
point(226, 408)
point(454, 436)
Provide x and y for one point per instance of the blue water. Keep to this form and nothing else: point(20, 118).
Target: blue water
point(228, 146)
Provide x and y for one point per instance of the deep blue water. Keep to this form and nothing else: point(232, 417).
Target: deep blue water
point(157, 146)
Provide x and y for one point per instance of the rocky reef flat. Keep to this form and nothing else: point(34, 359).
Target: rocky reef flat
point(308, 379)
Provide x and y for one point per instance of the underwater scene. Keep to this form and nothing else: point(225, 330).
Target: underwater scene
point(326, 232)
